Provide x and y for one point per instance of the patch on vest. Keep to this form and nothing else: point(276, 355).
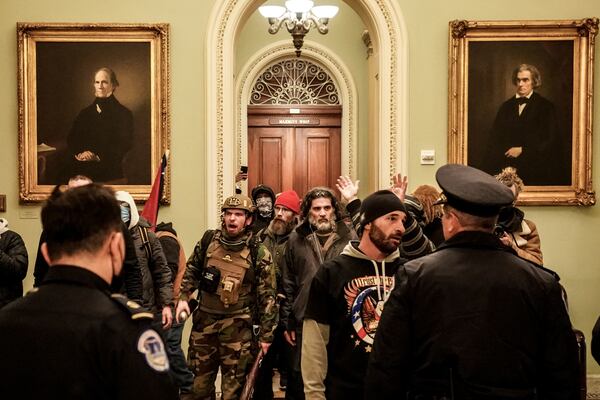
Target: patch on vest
point(152, 347)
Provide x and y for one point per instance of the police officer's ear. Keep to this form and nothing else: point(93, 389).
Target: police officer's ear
point(44, 250)
point(116, 250)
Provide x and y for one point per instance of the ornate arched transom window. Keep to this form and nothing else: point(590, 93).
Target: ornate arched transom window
point(294, 81)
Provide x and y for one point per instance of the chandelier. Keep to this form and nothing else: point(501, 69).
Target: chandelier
point(299, 16)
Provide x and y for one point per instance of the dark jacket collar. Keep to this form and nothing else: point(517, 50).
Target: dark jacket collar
point(105, 100)
point(74, 275)
point(478, 239)
point(475, 239)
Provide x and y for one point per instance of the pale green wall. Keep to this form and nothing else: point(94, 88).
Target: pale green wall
point(568, 233)
point(188, 21)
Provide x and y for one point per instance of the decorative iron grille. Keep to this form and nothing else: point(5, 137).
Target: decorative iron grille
point(294, 81)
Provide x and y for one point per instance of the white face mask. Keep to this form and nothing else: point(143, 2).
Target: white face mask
point(265, 206)
point(125, 214)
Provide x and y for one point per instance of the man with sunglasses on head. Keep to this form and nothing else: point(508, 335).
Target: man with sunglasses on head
point(321, 236)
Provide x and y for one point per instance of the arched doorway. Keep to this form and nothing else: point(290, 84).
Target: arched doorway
point(390, 88)
point(294, 127)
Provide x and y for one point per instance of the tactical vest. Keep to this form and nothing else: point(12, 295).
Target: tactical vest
point(234, 293)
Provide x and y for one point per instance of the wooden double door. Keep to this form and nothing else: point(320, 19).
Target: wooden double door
point(294, 147)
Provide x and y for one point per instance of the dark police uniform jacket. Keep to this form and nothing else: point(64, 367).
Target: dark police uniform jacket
point(476, 315)
point(70, 340)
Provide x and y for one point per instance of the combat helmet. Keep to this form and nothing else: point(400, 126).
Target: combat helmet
point(238, 201)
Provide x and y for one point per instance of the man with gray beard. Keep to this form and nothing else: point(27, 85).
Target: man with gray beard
point(321, 236)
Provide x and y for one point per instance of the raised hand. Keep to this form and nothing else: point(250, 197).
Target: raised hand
point(347, 188)
point(399, 185)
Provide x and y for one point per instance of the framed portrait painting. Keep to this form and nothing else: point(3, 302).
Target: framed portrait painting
point(520, 96)
point(93, 100)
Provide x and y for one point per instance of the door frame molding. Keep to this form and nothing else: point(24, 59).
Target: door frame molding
point(389, 35)
point(337, 70)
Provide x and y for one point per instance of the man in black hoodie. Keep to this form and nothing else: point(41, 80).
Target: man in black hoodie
point(347, 296)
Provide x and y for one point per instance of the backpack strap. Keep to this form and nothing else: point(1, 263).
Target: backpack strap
point(145, 242)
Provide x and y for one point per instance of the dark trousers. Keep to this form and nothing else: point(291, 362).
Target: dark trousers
point(295, 384)
point(263, 387)
point(178, 369)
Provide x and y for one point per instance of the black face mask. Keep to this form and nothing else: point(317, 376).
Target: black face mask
point(510, 219)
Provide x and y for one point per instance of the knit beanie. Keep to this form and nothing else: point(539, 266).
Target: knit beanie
point(378, 204)
point(290, 200)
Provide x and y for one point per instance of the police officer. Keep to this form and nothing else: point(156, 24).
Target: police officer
point(473, 320)
point(69, 338)
point(235, 276)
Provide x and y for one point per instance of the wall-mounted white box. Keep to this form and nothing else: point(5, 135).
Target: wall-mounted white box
point(427, 157)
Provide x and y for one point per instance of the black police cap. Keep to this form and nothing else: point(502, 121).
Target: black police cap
point(472, 191)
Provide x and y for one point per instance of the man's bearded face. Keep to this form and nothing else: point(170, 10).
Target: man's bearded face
point(386, 231)
point(322, 214)
point(284, 220)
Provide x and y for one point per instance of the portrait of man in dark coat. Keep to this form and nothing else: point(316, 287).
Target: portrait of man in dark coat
point(524, 131)
point(99, 124)
point(101, 134)
point(520, 109)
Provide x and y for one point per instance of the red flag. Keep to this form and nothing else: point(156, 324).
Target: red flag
point(150, 211)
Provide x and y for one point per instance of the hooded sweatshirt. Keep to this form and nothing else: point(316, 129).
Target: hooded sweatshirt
point(156, 275)
point(346, 299)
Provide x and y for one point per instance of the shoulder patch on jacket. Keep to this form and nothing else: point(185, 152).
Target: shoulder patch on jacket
point(134, 309)
point(153, 348)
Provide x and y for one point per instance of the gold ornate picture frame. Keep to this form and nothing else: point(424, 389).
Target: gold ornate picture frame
point(68, 125)
point(546, 136)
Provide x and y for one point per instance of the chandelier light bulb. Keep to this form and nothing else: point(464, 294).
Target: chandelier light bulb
point(299, 6)
point(271, 11)
point(325, 11)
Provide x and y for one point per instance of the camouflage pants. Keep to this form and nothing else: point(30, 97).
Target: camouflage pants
point(220, 341)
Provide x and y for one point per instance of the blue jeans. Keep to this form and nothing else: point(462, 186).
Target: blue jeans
point(179, 371)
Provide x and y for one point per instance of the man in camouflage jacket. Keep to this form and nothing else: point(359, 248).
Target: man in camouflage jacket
point(235, 277)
